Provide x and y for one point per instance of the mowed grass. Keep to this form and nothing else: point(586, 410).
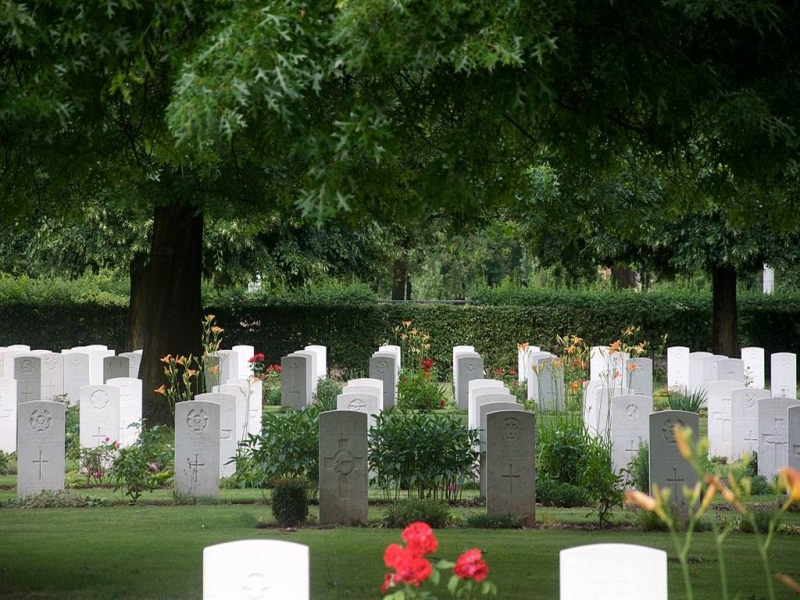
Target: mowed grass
point(149, 551)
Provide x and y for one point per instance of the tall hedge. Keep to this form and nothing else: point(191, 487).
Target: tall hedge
point(353, 331)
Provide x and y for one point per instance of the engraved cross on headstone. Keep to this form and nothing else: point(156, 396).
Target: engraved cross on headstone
point(631, 449)
point(751, 438)
point(40, 462)
point(294, 391)
point(26, 392)
point(97, 436)
point(675, 481)
point(343, 463)
point(194, 466)
point(50, 387)
point(511, 477)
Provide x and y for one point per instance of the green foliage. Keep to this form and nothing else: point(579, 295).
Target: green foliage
point(564, 495)
point(5, 462)
point(288, 447)
point(484, 521)
point(428, 455)
point(417, 391)
point(761, 517)
point(691, 402)
point(759, 486)
point(327, 391)
point(559, 452)
point(435, 513)
point(93, 463)
point(290, 501)
point(57, 499)
point(603, 485)
point(72, 415)
point(144, 465)
point(638, 469)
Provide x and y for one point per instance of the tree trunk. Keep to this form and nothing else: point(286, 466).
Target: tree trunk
point(400, 271)
point(137, 305)
point(173, 301)
point(624, 277)
point(725, 332)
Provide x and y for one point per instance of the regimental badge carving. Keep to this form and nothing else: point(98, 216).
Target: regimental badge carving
point(382, 366)
point(668, 429)
point(76, 362)
point(50, 363)
point(632, 411)
point(255, 587)
point(471, 367)
point(751, 402)
point(511, 429)
point(344, 462)
point(197, 420)
point(99, 399)
point(27, 367)
point(357, 405)
point(41, 420)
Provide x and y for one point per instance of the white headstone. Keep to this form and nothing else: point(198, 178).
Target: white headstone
point(719, 416)
point(321, 362)
point(524, 361)
point(678, 368)
point(134, 361)
point(227, 429)
point(130, 408)
point(730, 369)
point(244, 353)
point(597, 408)
point(40, 457)
point(99, 415)
point(76, 374)
point(744, 420)
point(295, 381)
point(365, 382)
point(773, 434)
point(793, 413)
point(457, 350)
point(398, 353)
point(753, 358)
point(640, 376)
point(255, 405)
point(116, 367)
point(598, 363)
point(710, 368)
point(52, 375)
point(469, 366)
point(9, 354)
point(228, 365)
point(495, 385)
point(382, 366)
point(534, 391)
point(629, 427)
point(197, 449)
point(241, 393)
point(783, 375)
point(313, 367)
point(28, 373)
point(613, 572)
point(369, 403)
point(483, 412)
point(96, 355)
point(696, 370)
point(668, 469)
point(8, 414)
point(550, 382)
point(256, 569)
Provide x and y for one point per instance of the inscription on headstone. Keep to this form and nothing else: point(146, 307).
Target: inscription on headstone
point(343, 468)
point(197, 433)
point(668, 469)
point(40, 460)
point(510, 465)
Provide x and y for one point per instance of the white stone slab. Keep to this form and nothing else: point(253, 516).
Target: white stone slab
point(484, 396)
point(228, 365)
point(719, 416)
point(469, 366)
point(668, 469)
point(773, 434)
point(130, 408)
point(296, 390)
point(255, 404)
point(549, 379)
point(240, 392)
point(42, 432)
point(696, 370)
point(76, 374)
point(640, 376)
point(382, 366)
point(313, 360)
point(744, 420)
point(244, 353)
point(369, 403)
point(343, 468)
point(710, 368)
point(753, 358)
point(28, 373)
point(134, 362)
point(116, 367)
point(783, 375)
point(365, 382)
point(597, 408)
point(730, 369)
point(99, 415)
point(793, 415)
point(678, 368)
point(483, 412)
point(534, 391)
point(8, 414)
point(256, 569)
point(398, 353)
point(480, 385)
point(511, 465)
point(458, 350)
point(197, 449)
point(321, 371)
point(227, 431)
point(52, 375)
point(524, 362)
point(598, 362)
point(613, 572)
point(96, 355)
point(629, 427)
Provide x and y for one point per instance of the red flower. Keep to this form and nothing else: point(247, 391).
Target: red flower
point(257, 358)
point(499, 371)
point(427, 364)
point(513, 372)
point(470, 566)
point(387, 582)
point(276, 368)
point(409, 566)
point(420, 539)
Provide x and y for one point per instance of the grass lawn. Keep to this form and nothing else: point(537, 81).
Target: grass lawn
point(155, 551)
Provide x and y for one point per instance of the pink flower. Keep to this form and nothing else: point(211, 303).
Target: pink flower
point(106, 439)
point(470, 566)
point(97, 474)
point(117, 444)
point(154, 467)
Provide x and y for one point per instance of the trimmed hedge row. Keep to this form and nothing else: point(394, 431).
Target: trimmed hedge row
point(352, 332)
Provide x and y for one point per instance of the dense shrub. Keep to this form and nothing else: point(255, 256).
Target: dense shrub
point(691, 402)
point(290, 501)
point(417, 391)
point(484, 521)
point(433, 512)
point(352, 325)
point(559, 452)
point(144, 465)
point(638, 469)
point(428, 455)
point(288, 447)
point(57, 499)
point(325, 396)
point(563, 495)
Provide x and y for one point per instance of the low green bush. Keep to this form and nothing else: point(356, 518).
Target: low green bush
point(57, 499)
point(6, 460)
point(759, 486)
point(416, 390)
point(327, 392)
point(761, 519)
point(433, 512)
point(290, 501)
point(562, 495)
point(638, 469)
point(427, 455)
point(484, 521)
point(691, 402)
point(145, 465)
